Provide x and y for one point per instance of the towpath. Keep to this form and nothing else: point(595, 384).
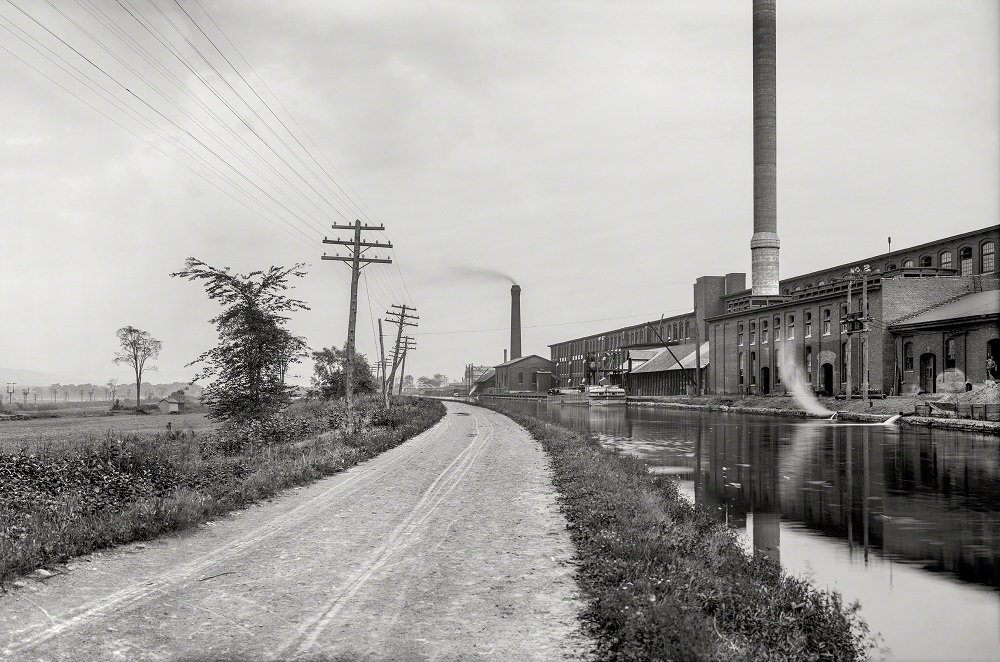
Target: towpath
point(450, 546)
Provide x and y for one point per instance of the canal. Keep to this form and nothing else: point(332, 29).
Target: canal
point(904, 520)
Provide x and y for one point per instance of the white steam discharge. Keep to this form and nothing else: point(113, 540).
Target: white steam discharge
point(479, 273)
point(795, 381)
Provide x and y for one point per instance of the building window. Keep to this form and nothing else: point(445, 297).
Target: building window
point(987, 251)
point(820, 283)
point(949, 354)
point(890, 266)
point(809, 325)
point(739, 335)
point(687, 329)
point(534, 378)
point(946, 260)
point(740, 361)
point(520, 378)
point(786, 291)
point(798, 288)
point(753, 368)
point(907, 264)
point(843, 360)
point(908, 356)
point(763, 332)
point(807, 285)
point(753, 333)
point(790, 334)
point(826, 322)
point(965, 261)
point(926, 261)
point(777, 329)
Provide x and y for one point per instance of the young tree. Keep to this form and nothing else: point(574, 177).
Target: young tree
point(112, 387)
point(247, 368)
point(330, 371)
point(138, 347)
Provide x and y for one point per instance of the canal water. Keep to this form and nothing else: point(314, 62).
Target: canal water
point(904, 520)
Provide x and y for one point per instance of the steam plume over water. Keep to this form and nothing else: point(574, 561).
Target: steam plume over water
point(794, 378)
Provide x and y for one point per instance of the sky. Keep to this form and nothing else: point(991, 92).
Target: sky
point(598, 153)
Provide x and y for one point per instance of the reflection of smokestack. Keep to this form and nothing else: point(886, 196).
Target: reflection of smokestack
point(515, 322)
point(764, 244)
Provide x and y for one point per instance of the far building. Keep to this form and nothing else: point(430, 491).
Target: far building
point(525, 374)
point(175, 403)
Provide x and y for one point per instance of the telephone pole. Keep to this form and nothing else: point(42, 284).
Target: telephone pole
point(408, 344)
point(400, 317)
point(358, 261)
point(381, 362)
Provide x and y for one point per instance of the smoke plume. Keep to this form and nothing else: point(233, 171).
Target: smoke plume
point(479, 273)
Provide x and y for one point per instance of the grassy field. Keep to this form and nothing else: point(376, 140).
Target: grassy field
point(71, 486)
point(40, 432)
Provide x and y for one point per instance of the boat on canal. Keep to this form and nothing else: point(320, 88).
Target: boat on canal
point(606, 395)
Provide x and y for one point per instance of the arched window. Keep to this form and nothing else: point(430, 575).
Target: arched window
point(965, 261)
point(890, 266)
point(949, 354)
point(786, 291)
point(790, 334)
point(798, 288)
point(986, 254)
point(807, 285)
point(820, 283)
point(907, 264)
point(926, 261)
point(945, 260)
point(908, 356)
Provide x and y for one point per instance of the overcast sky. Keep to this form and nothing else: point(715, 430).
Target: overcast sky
point(600, 153)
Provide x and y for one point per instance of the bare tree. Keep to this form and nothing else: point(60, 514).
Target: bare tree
point(112, 388)
point(138, 346)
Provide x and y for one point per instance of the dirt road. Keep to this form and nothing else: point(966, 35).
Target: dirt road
point(450, 546)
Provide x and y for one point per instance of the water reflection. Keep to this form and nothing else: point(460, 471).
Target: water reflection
point(878, 513)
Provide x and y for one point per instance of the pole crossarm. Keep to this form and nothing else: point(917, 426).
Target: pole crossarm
point(354, 227)
point(363, 244)
point(351, 259)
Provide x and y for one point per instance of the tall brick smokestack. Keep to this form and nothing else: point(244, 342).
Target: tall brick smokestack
point(764, 244)
point(515, 322)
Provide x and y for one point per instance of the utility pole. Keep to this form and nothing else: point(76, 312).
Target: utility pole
point(10, 393)
point(850, 330)
point(408, 344)
point(381, 362)
point(400, 317)
point(864, 333)
point(358, 261)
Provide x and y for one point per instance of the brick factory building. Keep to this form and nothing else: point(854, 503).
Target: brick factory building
point(812, 321)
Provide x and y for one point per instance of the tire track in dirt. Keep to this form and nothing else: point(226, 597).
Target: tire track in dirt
point(400, 538)
point(137, 593)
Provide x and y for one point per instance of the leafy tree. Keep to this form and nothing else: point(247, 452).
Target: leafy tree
point(330, 371)
point(408, 381)
point(425, 382)
point(137, 347)
point(247, 368)
point(440, 380)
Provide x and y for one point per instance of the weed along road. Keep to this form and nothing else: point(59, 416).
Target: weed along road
point(449, 546)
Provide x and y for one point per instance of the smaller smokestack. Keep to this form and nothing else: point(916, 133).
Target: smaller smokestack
point(505, 356)
point(515, 322)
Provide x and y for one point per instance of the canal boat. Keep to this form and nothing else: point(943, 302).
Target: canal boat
point(606, 395)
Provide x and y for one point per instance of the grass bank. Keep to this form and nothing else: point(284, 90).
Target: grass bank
point(63, 499)
point(665, 581)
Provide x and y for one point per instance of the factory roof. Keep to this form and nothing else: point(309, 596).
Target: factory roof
point(977, 304)
point(665, 360)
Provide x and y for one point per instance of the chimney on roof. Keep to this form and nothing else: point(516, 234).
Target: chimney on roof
point(515, 322)
point(764, 244)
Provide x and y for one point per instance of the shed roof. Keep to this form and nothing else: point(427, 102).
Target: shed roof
point(523, 358)
point(487, 376)
point(977, 304)
point(686, 359)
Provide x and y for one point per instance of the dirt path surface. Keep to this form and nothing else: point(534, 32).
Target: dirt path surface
point(450, 546)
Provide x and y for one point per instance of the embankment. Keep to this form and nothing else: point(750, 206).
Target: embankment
point(664, 580)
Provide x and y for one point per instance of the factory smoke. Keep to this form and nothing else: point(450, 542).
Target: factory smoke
point(479, 273)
